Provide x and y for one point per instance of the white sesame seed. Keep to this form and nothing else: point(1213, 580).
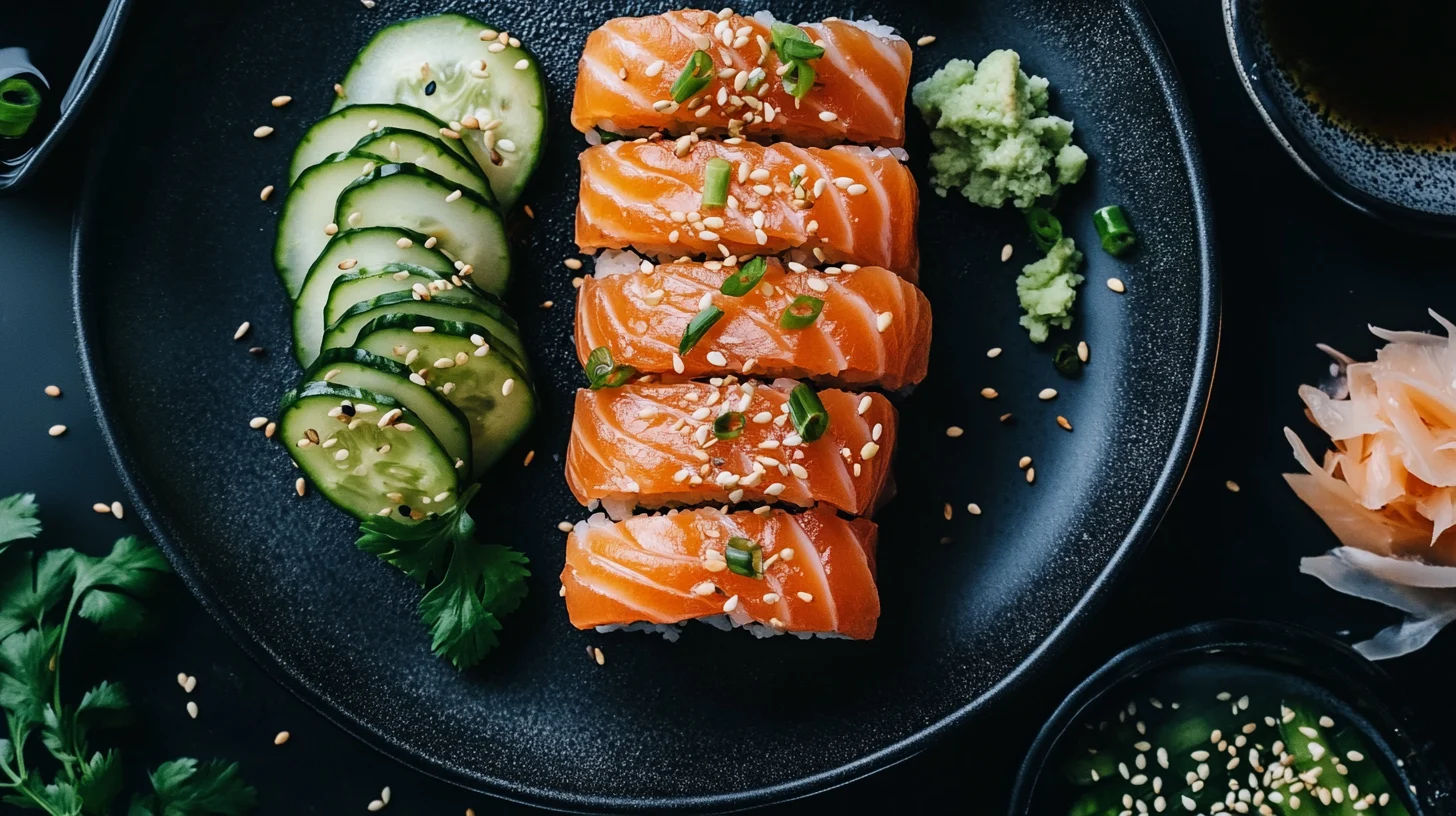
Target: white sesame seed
point(1047, 394)
point(805, 597)
point(856, 189)
point(655, 68)
point(242, 330)
point(927, 40)
point(507, 387)
point(677, 363)
point(1116, 285)
point(262, 132)
point(730, 605)
point(828, 116)
point(52, 391)
point(868, 451)
point(422, 329)
point(882, 321)
point(57, 430)
point(864, 404)
point(117, 510)
point(101, 507)
point(192, 709)
point(954, 431)
point(267, 191)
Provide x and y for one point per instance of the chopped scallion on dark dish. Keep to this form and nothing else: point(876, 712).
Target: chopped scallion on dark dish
point(744, 557)
point(802, 313)
point(1066, 360)
point(807, 413)
point(729, 426)
point(749, 273)
point(601, 371)
point(19, 105)
point(695, 77)
point(1045, 229)
point(697, 327)
point(1113, 230)
point(715, 183)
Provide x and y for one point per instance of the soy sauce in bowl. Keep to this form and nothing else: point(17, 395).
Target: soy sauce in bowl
point(1382, 69)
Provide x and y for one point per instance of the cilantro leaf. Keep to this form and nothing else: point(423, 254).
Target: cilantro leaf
point(17, 518)
point(483, 584)
point(64, 732)
point(25, 677)
point(30, 586)
point(101, 782)
point(59, 798)
point(418, 550)
point(109, 587)
point(185, 788)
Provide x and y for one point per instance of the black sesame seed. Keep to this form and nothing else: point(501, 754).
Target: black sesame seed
point(347, 409)
point(256, 351)
point(404, 510)
point(430, 88)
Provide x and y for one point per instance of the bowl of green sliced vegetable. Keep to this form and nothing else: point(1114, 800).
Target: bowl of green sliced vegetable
point(1233, 717)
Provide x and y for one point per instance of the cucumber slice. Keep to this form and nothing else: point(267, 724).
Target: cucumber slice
point(457, 304)
point(468, 228)
point(370, 248)
point(341, 130)
point(411, 147)
point(402, 458)
point(389, 69)
point(477, 386)
point(368, 284)
point(308, 211)
point(357, 368)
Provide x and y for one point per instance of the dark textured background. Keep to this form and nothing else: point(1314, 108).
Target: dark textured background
point(1297, 268)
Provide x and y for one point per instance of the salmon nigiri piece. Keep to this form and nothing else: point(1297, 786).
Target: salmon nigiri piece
point(652, 445)
point(818, 571)
point(873, 329)
point(841, 205)
point(624, 82)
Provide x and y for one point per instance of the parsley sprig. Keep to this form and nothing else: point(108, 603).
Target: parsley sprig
point(41, 594)
point(469, 586)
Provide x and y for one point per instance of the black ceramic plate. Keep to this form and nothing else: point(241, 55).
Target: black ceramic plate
point(172, 253)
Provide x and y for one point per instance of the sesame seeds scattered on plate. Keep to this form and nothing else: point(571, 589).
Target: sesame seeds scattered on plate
point(926, 40)
point(1116, 285)
point(994, 353)
point(1065, 425)
point(267, 191)
point(280, 101)
point(989, 393)
point(1047, 394)
point(242, 331)
point(56, 430)
point(192, 709)
point(954, 431)
point(1233, 486)
point(101, 507)
point(281, 738)
point(974, 509)
point(262, 132)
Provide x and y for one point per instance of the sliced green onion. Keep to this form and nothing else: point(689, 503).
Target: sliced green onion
point(744, 557)
point(729, 426)
point(755, 79)
point(802, 313)
point(749, 273)
point(807, 413)
point(601, 372)
point(1046, 230)
point(715, 182)
point(1112, 228)
point(1066, 360)
point(799, 81)
point(608, 137)
point(792, 43)
point(19, 106)
point(694, 77)
point(795, 179)
point(697, 327)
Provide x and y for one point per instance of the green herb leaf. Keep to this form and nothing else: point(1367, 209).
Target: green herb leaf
point(30, 586)
point(799, 81)
point(483, 584)
point(109, 587)
point(602, 372)
point(697, 327)
point(477, 584)
point(749, 273)
point(185, 788)
point(101, 782)
point(17, 518)
point(793, 43)
point(25, 677)
point(694, 77)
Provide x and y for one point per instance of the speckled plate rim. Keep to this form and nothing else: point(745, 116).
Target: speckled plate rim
point(1304, 157)
point(1251, 639)
point(93, 66)
point(1190, 424)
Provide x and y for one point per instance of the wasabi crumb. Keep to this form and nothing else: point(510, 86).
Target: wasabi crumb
point(992, 134)
point(1048, 288)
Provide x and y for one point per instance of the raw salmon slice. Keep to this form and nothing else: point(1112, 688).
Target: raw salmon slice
point(817, 576)
point(873, 329)
point(841, 205)
point(653, 445)
point(627, 70)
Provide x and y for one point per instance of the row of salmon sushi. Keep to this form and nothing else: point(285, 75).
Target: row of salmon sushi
point(838, 307)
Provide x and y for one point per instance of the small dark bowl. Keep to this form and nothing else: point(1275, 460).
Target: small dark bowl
point(75, 90)
point(1329, 668)
point(1409, 188)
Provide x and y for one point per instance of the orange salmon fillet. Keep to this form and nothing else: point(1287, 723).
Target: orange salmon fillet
point(651, 445)
point(874, 328)
point(628, 67)
point(818, 573)
point(851, 204)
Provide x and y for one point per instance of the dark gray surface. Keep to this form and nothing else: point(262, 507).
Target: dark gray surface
point(1298, 268)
